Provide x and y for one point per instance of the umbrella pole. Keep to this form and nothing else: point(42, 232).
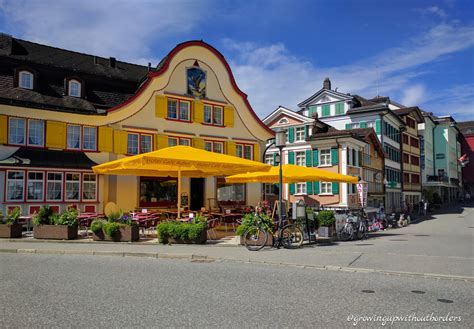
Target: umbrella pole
point(179, 193)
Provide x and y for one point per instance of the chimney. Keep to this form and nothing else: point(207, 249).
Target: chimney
point(327, 84)
point(112, 61)
point(149, 66)
point(96, 60)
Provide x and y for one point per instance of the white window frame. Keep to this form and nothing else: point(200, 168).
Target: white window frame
point(150, 138)
point(7, 185)
point(206, 144)
point(89, 132)
point(300, 188)
point(23, 83)
point(176, 109)
point(210, 115)
point(269, 157)
point(73, 91)
point(175, 141)
point(325, 188)
point(188, 110)
point(41, 132)
point(69, 139)
point(326, 157)
point(299, 134)
point(54, 182)
point(34, 180)
point(269, 189)
point(75, 182)
point(86, 183)
point(300, 156)
point(240, 150)
point(218, 143)
point(16, 129)
point(131, 148)
point(355, 125)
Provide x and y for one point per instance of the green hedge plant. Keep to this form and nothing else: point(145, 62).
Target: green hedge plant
point(181, 230)
point(326, 218)
point(13, 215)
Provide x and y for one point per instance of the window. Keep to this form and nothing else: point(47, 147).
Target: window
point(217, 147)
point(54, 186)
point(73, 182)
point(393, 153)
point(405, 139)
point(90, 139)
point(414, 142)
point(283, 121)
point(156, 191)
point(415, 178)
point(326, 110)
point(354, 125)
point(392, 175)
point(300, 188)
point(326, 188)
point(351, 188)
point(230, 194)
point(74, 88)
point(415, 160)
point(74, 137)
point(391, 132)
point(300, 132)
point(25, 80)
point(245, 151)
point(269, 159)
point(410, 122)
point(16, 131)
point(213, 115)
point(406, 178)
point(300, 158)
point(146, 144)
point(179, 110)
point(174, 141)
point(325, 157)
point(15, 185)
point(406, 158)
point(89, 187)
point(339, 108)
point(35, 186)
point(271, 189)
point(370, 124)
point(132, 143)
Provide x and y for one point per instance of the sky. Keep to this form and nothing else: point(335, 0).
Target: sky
point(417, 52)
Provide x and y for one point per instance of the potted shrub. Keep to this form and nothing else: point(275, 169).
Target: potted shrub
point(194, 232)
point(326, 221)
point(117, 227)
point(249, 220)
point(9, 227)
point(48, 225)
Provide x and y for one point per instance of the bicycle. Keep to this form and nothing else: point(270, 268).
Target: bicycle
point(256, 236)
point(355, 227)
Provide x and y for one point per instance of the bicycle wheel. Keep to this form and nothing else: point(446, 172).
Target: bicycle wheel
point(346, 233)
point(255, 238)
point(292, 237)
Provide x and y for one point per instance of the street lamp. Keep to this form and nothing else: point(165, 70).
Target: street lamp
point(280, 143)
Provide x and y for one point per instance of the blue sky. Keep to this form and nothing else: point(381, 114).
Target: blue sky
point(417, 52)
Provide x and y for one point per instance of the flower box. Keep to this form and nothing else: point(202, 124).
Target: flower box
point(10, 230)
point(125, 234)
point(55, 232)
point(325, 232)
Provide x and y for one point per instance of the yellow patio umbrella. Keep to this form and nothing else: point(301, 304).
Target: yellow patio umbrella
point(178, 161)
point(291, 174)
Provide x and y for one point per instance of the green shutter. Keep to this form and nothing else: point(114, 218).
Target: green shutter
point(316, 188)
point(275, 159)
point(326, 110)
point(306, 132)
point(291, 135)
point(377, 126)
point(291, 157)
point(362, 124)
point(309, 188)
point(335, 188)
point(334, 156)
point(292, 188)
point(315, 158)
point(308, 158)
point(348, 126)
point(311, 111)
point(340, 108)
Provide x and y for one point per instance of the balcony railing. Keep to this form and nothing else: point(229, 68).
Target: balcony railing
point(375, 187)
point(435, 178)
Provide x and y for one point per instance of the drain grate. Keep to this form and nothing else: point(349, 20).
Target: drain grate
point(418, 292)
point(368, 291)
point(364, 244)
point(398, 240)
point(202, 261)
point(422, 235)
point(447, 301)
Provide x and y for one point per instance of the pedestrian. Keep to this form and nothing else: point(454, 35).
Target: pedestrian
point(425, 208)
point(420, 207)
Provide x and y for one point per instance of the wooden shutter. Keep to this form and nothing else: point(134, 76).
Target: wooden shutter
point(334, 156)
point(378, 126)
point(198, 143)
point(315, 158)
point(106, 139)
point(3, 129)
point(231, 148)
point(326, 110)
point(120, 142)
point(198, 112)
point(291, 157)
point(362, 124)
point(161, 106)
point(309, 188)
point(306, 132)
point(228, 116)
point(308, 158)
point(335, 188)
point(256, 152)
point(161, 141)
point(292, 188)
point(348, 126)
point(316, 188)
point(291, 135)
point(275, 159)
point(56, 134)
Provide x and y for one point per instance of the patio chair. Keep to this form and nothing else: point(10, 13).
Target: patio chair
point(211, 228)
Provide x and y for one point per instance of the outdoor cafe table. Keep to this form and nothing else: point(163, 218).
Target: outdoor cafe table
point(27, 220)
point(227, 218)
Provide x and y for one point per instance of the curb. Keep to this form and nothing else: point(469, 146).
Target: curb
point(195, 257)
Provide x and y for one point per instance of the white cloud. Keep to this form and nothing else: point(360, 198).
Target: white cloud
point(457, 101)
point(437, 11)
point(413, 95)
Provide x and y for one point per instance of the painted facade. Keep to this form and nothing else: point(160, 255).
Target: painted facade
point(191, 98)
point(467, 155)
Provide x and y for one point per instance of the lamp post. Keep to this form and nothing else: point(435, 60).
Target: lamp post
point(280, 143)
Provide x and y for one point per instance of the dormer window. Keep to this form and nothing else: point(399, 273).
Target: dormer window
point(74, 88)
point(25, 80)
point(283, 121)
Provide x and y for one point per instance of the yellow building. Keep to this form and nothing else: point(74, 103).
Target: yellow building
point(50, 140)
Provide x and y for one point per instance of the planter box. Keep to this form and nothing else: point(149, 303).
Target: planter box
point(55, 232)
point(10, 230)
point(325, 232)
point(199, 240)
point(126, 234)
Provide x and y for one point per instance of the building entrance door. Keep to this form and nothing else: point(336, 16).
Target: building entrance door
point(197, 193)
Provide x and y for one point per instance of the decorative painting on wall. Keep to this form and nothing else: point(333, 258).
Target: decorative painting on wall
point(196, 81)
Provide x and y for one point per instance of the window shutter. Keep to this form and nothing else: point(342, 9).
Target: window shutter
point(120, 142)
point(315, 158)
point(106, 139)
point(292, 188)
point(3, 129)
point(228, 116)
point(161, 106)
point(334, 156)
point(335, 188)
point(291, 157)
point(308, 158)
point(275, 159)
point(198, 143)
point(306, 132)
point(377, 126)
point(348, 126)
point(316, 188)
point(256, 152)
point(231, 146)
point(326, 110)
point(309, 188)
point(291, 135)
point(362, 124)
point(56, 134)
point(198, 115)
point(161, 141)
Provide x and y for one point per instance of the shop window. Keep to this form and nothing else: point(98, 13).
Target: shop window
point(73, 137)
point(74, 88)
point(73, 186)
point(54, 186)
point(35, 186)
point(89, 187)
point(90, 139)
point(36, 133)
point(326, 188)
point(325, 157)
point(16, 131)
point(15, 185)
point(25, 80)
point(158, 191)
point(230, 194)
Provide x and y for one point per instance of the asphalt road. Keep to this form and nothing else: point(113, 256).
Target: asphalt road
point(87, 291)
